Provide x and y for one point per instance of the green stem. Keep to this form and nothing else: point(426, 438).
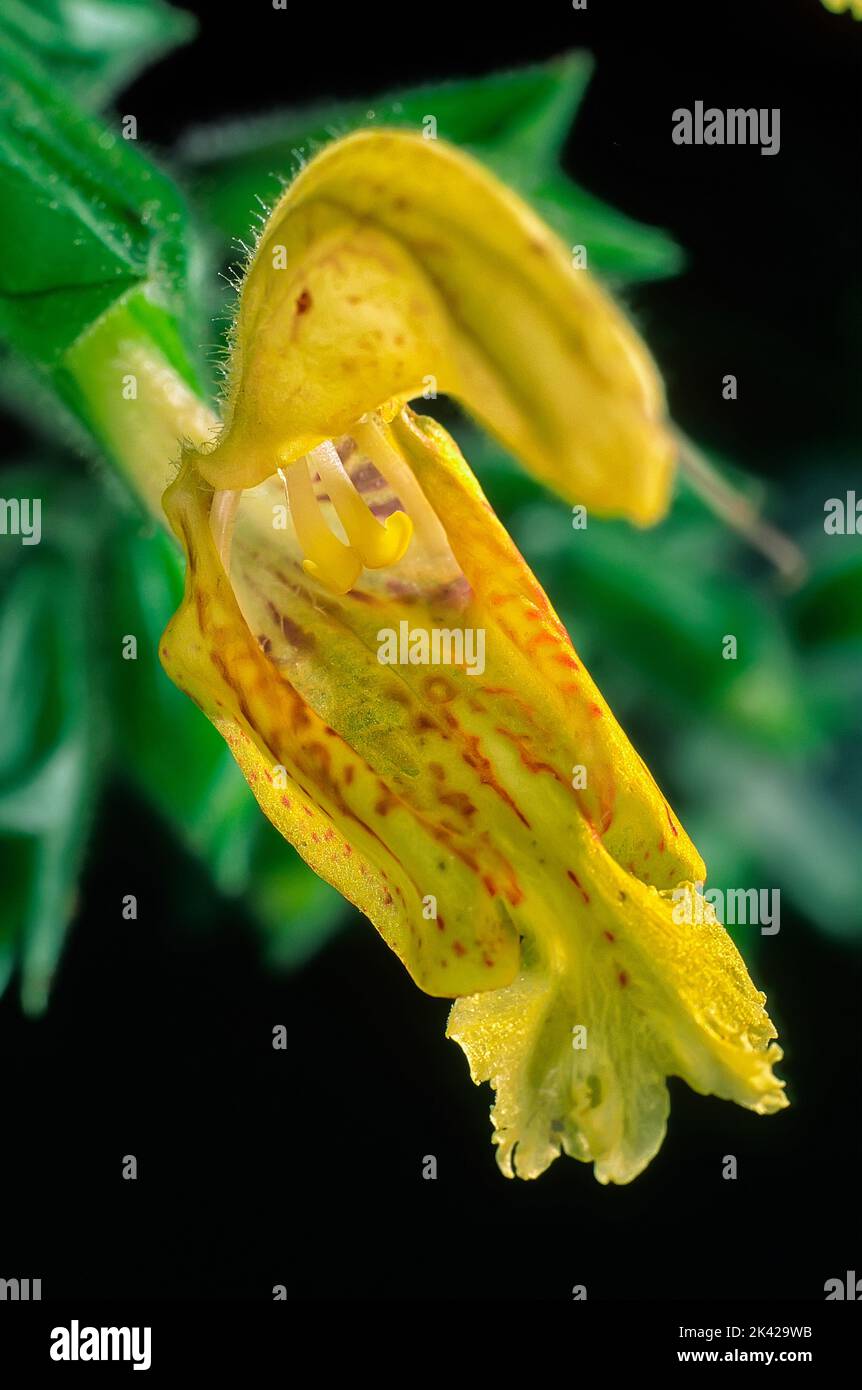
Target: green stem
point(138, 402)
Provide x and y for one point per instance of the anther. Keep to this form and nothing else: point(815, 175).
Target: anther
point(327, 559)
point(378, 544)
point(372, 439)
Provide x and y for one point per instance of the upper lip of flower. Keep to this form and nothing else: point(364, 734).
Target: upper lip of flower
point(393, 262)
point(404, 261)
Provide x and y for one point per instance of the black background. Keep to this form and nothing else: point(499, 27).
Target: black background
point(303, 1167)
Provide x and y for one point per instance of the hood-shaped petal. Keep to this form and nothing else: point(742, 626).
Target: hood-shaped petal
point(396, 266)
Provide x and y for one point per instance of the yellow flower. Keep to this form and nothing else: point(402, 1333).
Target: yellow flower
point(393, 681)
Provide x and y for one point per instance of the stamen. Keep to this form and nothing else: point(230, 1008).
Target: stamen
point(223, 513)
point(379, 544)
point(372, 441)
point(371, 544)
point(335, 565)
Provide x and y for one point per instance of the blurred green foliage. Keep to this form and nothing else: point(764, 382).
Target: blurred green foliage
point(756, 753)
point(86, 219)
point(514, 122)
point(95, 47)
point(54, 726)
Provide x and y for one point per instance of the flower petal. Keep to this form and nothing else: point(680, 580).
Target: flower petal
point(384, 847)
point(394, 266)
point(571, 724)
point(612, 999)
point(421, 772)
point(552, 901)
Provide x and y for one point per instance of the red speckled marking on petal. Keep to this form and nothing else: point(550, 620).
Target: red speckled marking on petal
point(577, 882)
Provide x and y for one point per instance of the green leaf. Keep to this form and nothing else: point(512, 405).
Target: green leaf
point(834, 682)
point(623, 250)
point(515, 122)
point(85, 220)
point(53, 746)
point(827, 622)
point(829, 607)
point(798, 837)
point(477, 112)
point(95, 47)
